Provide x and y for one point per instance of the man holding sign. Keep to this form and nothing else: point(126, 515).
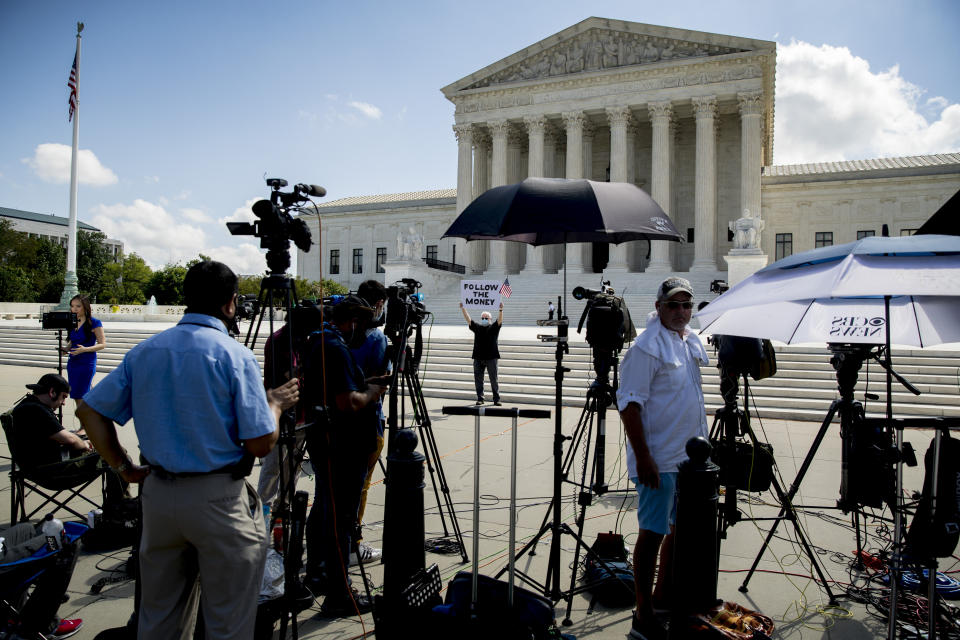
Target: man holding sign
point(485, 351)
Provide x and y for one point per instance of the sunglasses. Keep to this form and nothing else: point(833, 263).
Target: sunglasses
point(673, 305)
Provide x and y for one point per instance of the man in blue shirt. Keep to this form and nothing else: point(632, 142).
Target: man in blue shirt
point(340, 444)
point(200, 410)
point(371, 357)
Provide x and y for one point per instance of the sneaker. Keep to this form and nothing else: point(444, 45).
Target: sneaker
point(650, 630)
point(497, 403)
point(66, 628)
point(366, 552)
point(479, 401)
point(337, 608)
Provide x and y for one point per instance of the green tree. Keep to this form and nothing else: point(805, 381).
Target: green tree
point(124, 282)
point(15, 285)
point(92, 256)
point(10, 240)
point(47, 267)
point(166, 284)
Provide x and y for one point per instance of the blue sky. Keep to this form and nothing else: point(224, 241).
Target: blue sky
point(186, 106)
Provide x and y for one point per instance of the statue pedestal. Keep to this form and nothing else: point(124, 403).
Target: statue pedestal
point(742, 263)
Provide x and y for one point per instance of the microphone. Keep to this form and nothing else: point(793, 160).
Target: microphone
point(312, 190)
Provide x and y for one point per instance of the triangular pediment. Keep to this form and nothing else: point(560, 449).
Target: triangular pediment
point(599, 44)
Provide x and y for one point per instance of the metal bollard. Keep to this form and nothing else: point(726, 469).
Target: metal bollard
point(403, 537)
point(695, 548)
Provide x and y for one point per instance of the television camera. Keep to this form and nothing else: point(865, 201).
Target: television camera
point(406, 313)
point(609, 326)
point(276, 227)
point(248, 305)
point(718, 286)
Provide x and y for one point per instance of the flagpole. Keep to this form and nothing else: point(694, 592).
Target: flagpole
point(70, 281)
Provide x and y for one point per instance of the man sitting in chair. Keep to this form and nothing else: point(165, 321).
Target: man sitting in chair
point(41, 444)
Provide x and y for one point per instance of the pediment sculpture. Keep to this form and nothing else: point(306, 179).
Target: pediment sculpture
point(598, 49)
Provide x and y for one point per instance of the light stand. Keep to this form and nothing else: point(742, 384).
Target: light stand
point(59, 321)
point(730, 423)
point(291, 507)
point(599, 397)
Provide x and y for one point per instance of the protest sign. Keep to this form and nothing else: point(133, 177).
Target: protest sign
point(483, 295)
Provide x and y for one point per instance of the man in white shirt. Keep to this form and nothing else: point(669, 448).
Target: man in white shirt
point(660, 399)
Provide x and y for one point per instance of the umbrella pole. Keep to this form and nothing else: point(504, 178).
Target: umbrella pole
point(895, 564)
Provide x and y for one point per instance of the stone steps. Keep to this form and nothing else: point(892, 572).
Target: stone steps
point(803, 388)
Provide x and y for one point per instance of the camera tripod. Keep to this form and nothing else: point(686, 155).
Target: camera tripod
point(730, 423)
point(408, 383)
point(600, 396)
point(291, 505)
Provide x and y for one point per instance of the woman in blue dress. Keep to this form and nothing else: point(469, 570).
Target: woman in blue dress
point(85, 340)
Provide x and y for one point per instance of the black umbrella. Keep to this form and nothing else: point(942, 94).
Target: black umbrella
point(541, 211)
point(946, 221)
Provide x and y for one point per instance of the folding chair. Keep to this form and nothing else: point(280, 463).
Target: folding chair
point(48, 481)
point(34, 581)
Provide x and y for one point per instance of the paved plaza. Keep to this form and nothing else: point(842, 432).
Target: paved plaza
point(782, 587)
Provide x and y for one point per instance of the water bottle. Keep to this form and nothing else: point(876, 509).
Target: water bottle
point(53, 530)
point(94, 517)
point(278, 535)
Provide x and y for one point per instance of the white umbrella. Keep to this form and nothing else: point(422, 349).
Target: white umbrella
point(915, 321)
point(836, 294)
point(874, 291)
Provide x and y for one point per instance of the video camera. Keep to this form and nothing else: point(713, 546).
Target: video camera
point(276, 227)
point(405, 308)
point(247, 306)
point(609, 326)
point(718, 286)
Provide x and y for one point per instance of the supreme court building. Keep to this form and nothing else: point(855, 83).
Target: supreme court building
point(686, 116)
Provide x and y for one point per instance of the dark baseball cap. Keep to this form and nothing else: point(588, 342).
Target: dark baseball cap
point(353, 306)
point(51, 381)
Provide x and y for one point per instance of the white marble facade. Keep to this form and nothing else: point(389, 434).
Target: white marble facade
point(685, 115)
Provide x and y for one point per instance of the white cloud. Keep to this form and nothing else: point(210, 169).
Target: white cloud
point(51, 162)
point(242, 213)
point(245, 258)
point(160, 238)
point(367, 109)
point(196, 215)
point(153, 179)
point(831, 106)
point(149, 230)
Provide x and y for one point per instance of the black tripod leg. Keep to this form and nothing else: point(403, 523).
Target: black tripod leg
point(584, 501)
point(786, 501)
point(432, 455)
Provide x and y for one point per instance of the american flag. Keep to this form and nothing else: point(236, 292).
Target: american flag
point(72, 84)
point(505, 289)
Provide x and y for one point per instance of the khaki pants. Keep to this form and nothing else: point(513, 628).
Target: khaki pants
point(209, 528)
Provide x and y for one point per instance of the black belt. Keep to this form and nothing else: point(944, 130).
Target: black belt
point(237, 470)
point(162, 473)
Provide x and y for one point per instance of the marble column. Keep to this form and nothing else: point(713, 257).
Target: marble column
point(705, 196)
point(586, 248)
point(661, 114)
point(751, 151)
point(464, 133)
point(619, 118)
point(499, 132)
point(536, 130)
point(574, 122)
point(478, 249)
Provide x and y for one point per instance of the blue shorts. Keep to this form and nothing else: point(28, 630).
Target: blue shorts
point(657, 508)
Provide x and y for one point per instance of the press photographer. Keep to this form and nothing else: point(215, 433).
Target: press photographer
point(340, 442)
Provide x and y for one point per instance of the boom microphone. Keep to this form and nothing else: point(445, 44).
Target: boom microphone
point(311, 190)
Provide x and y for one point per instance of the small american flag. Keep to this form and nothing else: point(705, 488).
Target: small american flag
point(72, 84)
point(505, 290)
